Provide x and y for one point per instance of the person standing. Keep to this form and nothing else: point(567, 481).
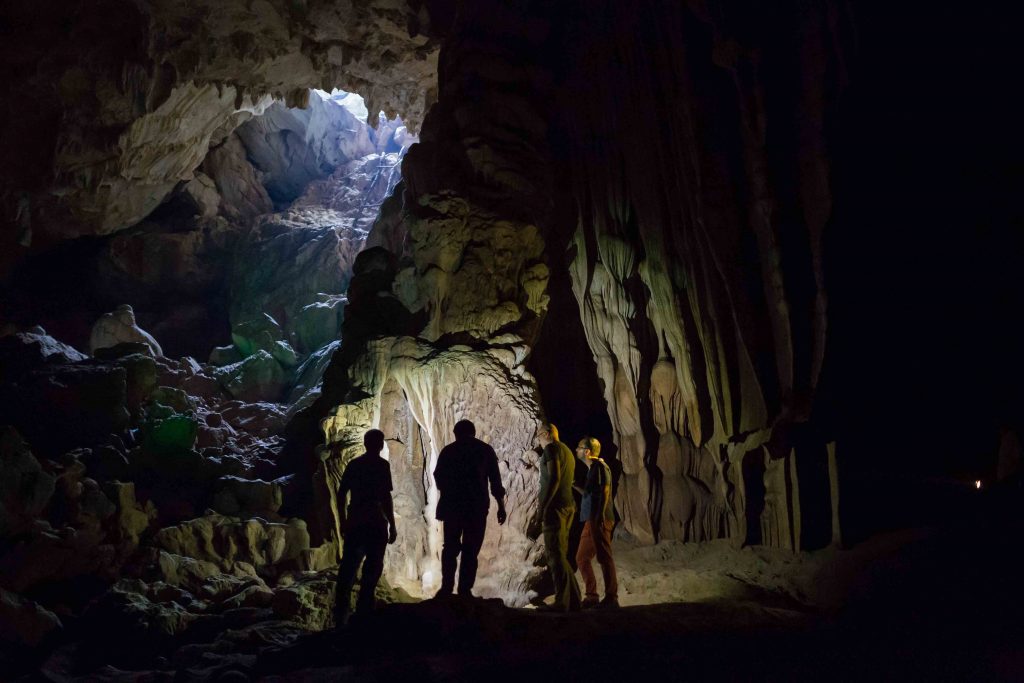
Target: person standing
point(598, 519)
point(558, 509)
point(367, 525)
point(464, 470)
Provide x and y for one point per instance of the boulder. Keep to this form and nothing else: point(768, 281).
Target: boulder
point(224, 541)
point(259, 377)
point(242, 195)
point(25, 488)
point(61, 407)
point(237, 496)
point(308, 601)
point(127, 614)
point(23, 351)
point(169, 435)
point(252, 596)
point(132, 519)
point(201, 193)
point(119, 326)
point(24, 622)
point(225, 355)
point(140, 380)
point(309, 376)
point(319, 323)
point(45, 555)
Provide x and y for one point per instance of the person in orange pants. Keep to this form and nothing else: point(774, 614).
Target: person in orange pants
point(598, 519)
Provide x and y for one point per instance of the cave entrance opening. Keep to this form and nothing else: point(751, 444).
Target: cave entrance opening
point(300, 188)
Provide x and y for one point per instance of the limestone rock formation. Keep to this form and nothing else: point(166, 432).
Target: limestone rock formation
point(180, 81)
point(23, 622)
point(706, 364)
point(31, 348)
point(441, 314)
point(25, 488)
point(118, 327)
point(226, 540)
point(242, 195)
point(416, 393)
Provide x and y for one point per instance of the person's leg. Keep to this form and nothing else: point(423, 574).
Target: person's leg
point(472, 540)
point(555, 566)
point(567, 591)
point(584, 558)
point(603, 541)
point(450, 554)
point(373, 567)
point(354, 550)
point(573, 597)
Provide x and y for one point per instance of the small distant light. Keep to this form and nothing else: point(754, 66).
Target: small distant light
point(977, 483)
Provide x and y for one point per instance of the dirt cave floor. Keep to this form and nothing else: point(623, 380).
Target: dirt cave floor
point(924, 605)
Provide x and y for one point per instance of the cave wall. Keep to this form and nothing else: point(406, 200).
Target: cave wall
point(697, 260)
point(129, 97)
point(677, 165)
point(445, 307)
point(695, 247)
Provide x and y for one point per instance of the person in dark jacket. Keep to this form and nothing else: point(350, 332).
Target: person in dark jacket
point(464, 471)
point(598, 519)
point(558, 509)
point(367, 525)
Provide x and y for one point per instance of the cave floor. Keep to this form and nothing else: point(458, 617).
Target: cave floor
point(481, 640)
point(919, 606)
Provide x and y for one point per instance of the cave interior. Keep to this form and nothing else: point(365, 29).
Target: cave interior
point(767, 254)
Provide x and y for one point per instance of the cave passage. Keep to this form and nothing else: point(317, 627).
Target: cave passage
point(766, 253)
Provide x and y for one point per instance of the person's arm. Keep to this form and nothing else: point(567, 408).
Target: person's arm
point(604, 481)
point(578, 476)
point(389, 512)
point(389, 508)
point(497, 490)
point(342, 501)
point(441, 469)
point(594, 488)
point(552, 469)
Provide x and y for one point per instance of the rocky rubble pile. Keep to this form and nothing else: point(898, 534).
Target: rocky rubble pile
point(141, 508)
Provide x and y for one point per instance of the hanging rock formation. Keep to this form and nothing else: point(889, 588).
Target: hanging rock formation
point(705, 307)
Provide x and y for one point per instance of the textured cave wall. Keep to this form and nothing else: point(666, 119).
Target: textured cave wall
point(445, 307)
point(127, 98)
point(693, 251)
point(701, 168)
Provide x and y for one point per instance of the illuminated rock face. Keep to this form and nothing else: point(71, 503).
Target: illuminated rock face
point(704, 304)
point(146, 91)
point(441, 319)
point(708, 350)
point(693, 250)
point(415, 394)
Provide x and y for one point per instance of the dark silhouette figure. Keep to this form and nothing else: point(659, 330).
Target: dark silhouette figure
point(364, 525)
point(598, 519)
point(558, 510)
point(464, 470)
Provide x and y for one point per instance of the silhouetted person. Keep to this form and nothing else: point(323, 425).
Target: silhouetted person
point(598, 518)
point(464, 470)
point(364, 525)
point(558, 509)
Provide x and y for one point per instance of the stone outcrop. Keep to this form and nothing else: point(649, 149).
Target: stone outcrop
point(24, 622)
point(132, 118)
point(441, 314)
point(225, 541)
point(709, 349)
point(25, 488)
point(119, 327)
